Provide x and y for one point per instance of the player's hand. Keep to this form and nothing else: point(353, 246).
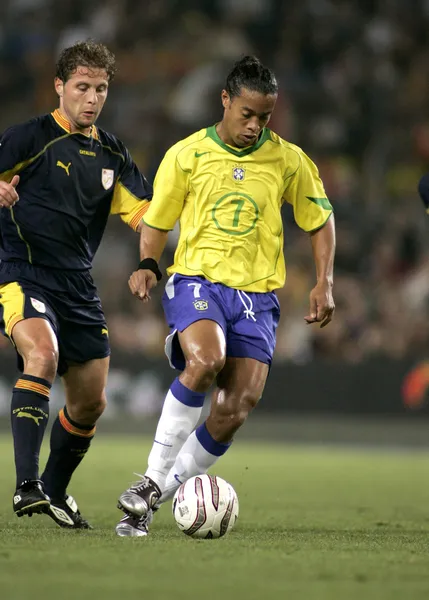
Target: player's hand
point(8, 194)
point(322, 305)
point(141, 282)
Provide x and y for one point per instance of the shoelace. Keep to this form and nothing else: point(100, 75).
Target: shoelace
point(141, 485)
point(248, 310)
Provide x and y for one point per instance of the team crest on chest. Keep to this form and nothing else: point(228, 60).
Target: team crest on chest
point(107, 177)
point(238, 173)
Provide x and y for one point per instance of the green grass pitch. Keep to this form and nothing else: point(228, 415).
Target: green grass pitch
point(314, 524)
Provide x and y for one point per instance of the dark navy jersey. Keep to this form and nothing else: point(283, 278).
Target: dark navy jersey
point(69, 184)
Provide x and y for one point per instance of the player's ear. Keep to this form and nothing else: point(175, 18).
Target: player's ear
point(225, 99)
point(59, 86)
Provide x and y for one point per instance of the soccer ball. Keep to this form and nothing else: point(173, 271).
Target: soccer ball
point(205, 506)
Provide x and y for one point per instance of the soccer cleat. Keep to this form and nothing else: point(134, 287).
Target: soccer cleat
point(140, 497)
point(30, 498)
point(66, 514)
point(130, 526)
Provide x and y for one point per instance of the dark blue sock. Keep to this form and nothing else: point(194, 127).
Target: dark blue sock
point(29, 417)
point(69, 444)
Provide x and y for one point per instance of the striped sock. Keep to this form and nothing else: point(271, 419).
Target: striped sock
point(69, 443)
point(29, 417)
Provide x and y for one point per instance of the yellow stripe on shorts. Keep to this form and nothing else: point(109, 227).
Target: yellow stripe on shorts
point(12, 298)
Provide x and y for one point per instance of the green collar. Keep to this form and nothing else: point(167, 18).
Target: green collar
point(265, 135)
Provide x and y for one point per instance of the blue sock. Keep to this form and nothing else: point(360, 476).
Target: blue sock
point(208, 443)
point(29, 417)
point(69, 443)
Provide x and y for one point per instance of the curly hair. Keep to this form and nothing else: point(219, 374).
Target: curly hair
point(85, 54)
point(251, 74)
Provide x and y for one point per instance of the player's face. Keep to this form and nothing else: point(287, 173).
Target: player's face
point(245, 116)
point(82, 96)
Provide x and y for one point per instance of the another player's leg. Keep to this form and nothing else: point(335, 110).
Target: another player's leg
point(36, 343)
point(71, 436)
point(239, 387)
point(203, 346)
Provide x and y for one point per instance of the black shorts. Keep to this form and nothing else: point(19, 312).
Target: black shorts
point(68, 300)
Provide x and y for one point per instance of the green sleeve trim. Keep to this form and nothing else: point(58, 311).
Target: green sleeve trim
point(322, 202)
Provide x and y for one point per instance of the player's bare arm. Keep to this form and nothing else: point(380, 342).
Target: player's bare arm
point(152, 244)
point(322, 305)
point(8, 194)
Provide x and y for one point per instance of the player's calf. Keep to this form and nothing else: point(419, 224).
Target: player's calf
point(226, 418)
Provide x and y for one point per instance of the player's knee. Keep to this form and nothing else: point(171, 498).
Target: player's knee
point(42, 361)
point(88, 410)
point(96, 407)
point(204, 369)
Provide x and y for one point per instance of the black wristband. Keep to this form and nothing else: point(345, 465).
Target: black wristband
point(151, 265)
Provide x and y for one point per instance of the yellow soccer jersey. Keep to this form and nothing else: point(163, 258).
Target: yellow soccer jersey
point(228, 202)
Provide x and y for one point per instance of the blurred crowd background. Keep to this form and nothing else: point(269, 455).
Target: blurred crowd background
point(354, 95)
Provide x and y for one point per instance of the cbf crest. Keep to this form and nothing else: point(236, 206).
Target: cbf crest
point(201, 304)
point(107, 177)
point(238, 173)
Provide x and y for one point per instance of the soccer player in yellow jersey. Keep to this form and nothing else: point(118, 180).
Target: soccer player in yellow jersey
point(226, 185)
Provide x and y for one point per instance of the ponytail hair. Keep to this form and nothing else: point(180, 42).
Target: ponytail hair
point(251, 74)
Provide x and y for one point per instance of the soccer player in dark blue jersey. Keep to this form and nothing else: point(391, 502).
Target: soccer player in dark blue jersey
point(68, 176)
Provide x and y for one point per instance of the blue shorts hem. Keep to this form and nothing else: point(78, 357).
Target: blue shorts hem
point(253, 353)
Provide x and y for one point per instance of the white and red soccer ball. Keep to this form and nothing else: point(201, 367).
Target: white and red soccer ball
point(205, 506)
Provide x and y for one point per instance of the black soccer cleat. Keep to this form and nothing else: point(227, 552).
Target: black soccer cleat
point(140, 498)
point(66, 514)
point(30, 498)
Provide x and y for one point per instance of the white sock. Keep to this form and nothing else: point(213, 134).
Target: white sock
point(198, 454)
point(180, 413)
